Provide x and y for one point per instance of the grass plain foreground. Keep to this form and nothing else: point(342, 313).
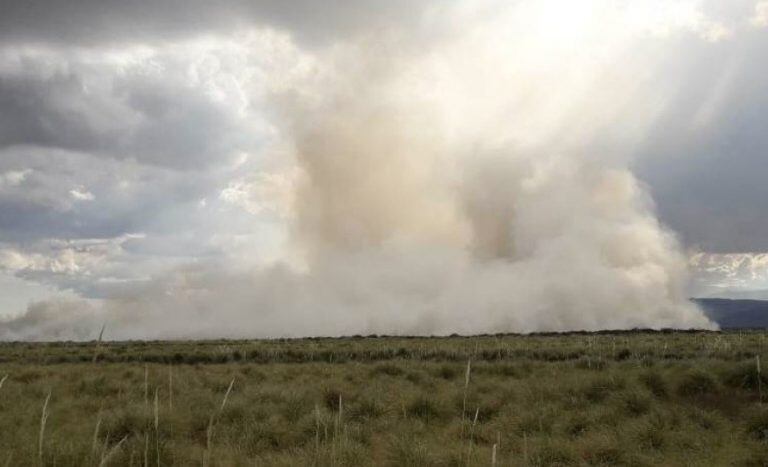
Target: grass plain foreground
point(623, 398)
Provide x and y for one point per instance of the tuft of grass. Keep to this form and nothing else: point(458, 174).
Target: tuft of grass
point(447, 372)
point(697, 383)
point(757, 425)
point(602, 451)
point(655, 382)
point(599, 389)
point(332, 399)
point(745, 376)
point(405, 452)
point(577, 425)
point(553, 454)
point(387, 369)
point(366, 409)
point(425, 409)
point(635, 402)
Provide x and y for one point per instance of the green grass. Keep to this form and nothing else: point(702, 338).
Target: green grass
point(632, 398)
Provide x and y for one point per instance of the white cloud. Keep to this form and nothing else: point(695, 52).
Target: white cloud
point(81, 194)
point(664, 18)
point(760, 17)
point(13, 178)
point(729, 274)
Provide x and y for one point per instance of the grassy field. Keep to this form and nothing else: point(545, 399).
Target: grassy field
point(633, 398)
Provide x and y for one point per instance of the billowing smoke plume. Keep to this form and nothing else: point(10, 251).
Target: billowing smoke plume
point(468, 185)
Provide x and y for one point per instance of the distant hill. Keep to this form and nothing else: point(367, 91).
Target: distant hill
point(730, 313)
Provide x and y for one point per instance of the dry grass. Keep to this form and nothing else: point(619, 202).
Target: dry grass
point(581, 399)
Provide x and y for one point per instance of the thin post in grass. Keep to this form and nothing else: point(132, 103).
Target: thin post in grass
point(170, 388)
point(43, 420)
point(212, 422)
point(146, 386)
point(466, 388)
point(493, 455)
point(525, 448)
point(98, 343)
point(338, 420)
point(157, 431)
point(759, 379)
point(471, 433)
point(95, 442)
point(105, 447)
point(317, 431)
point(3, 380)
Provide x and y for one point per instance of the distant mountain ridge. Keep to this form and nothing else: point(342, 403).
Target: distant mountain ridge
point(730, 313)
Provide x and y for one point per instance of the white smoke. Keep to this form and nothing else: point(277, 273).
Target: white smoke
point(459, 176)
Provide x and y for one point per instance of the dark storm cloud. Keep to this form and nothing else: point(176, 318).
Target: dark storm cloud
point(706, 158)
point(38, 110)
point(88, 22)
point(126, 115)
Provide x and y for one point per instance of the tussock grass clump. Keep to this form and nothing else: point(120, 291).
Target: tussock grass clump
point(650, 437)
point(591, 363)
point(505, 370)
point(577, 425)
point(757, 458)
point(706, 420)
point(235, 413)
point(635, 402)
point(599, 389)
point(404, 451)
point(252, 373)
point(388, 369)
point(697, 383)
point(26, 377)
point(425, 409)
point(448, 372)
point(757, 425)
point(746, 376)
point(416, 378)
point(366, 409)
point(623, 354)
point(127, 421)
point(295, 407)
point(603, 451)
point(98, 386)
point(332, 398)
point(536, 422)
point(655, 383)
point(554, 454)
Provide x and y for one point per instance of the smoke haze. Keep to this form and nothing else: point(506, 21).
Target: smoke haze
point(469, 171)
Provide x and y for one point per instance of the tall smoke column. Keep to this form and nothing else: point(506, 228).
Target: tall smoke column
point(418, 211)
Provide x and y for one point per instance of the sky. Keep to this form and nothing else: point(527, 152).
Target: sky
point(196, 169)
